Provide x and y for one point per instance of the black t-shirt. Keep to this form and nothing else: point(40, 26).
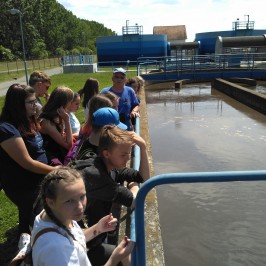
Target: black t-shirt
point(86, 148)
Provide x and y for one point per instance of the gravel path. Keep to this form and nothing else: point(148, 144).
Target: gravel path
point(6, 84)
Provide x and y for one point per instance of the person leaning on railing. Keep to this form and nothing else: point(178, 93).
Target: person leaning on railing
point(104, 178)
point(128, 106)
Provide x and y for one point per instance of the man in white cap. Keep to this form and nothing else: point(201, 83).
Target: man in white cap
point(128, 102)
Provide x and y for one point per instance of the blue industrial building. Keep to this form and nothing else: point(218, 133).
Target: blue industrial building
point(130, 47)
point(207, 40)
point(133, 44)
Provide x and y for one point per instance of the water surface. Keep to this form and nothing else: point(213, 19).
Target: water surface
point(198, 129)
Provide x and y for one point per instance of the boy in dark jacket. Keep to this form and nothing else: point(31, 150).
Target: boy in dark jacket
point(106, 174)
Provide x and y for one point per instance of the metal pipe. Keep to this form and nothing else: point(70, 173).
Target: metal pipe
point(243, 41)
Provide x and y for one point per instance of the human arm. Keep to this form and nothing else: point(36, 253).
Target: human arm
point(144, 168)
point(50, 129)
point(75, 135)
point(121, 252)
point(16, 149)
point(68, 131)
point(106, 224)
point(135, 105)
point(135, 112)
point(134, 188)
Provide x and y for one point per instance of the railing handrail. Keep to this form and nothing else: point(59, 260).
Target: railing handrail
point(139, 254)
point(219, 62)
point(136, 164)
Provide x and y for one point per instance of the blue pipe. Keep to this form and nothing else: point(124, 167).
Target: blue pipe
point(198, 177)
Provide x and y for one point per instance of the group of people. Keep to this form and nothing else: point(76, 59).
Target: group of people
point(35, 137)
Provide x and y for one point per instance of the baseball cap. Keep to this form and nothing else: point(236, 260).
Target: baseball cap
point(120, 70)
point(107, 116)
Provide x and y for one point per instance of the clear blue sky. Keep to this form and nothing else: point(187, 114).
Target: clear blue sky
point(196, 15)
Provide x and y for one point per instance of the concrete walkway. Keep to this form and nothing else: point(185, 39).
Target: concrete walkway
point(6, 84)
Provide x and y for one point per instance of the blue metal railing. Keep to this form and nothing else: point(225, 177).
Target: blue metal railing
point(136, 164)
point(201, 67)
point(139, 253)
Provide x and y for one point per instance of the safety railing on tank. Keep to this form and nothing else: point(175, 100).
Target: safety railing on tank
point(139, 253)
point(135, 165)
point(214, 62)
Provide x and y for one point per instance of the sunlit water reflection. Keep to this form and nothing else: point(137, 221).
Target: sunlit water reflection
point(199, 129)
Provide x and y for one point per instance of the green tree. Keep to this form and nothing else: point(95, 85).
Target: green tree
point(48, 27)
point(6, 54)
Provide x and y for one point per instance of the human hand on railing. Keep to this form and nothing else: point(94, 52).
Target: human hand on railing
point(122, 251)
point(134, 114)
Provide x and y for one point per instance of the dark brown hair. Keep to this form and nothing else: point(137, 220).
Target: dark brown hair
point(60, 96)
point(90, 88)
point(14, 110)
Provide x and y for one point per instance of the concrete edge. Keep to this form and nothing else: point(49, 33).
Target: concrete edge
point(154, 245)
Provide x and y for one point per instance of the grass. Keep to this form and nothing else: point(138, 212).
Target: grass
point(8, 211)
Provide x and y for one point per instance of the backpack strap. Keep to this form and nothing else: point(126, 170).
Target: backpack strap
point(43, 231)
point(25, 258)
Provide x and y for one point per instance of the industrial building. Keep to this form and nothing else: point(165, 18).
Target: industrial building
point(170, 41)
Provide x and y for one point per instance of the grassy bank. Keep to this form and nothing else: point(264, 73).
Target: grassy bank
point(8, 211)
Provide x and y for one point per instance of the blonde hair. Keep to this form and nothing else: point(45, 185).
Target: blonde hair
point(112, 136)
point(38, 76)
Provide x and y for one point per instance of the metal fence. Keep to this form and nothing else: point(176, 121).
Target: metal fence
point(10, 67)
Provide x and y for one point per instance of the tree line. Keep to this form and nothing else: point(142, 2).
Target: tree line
point(49, 30)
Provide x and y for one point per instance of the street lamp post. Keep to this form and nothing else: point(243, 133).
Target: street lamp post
point(84, 39)
point(14, 11)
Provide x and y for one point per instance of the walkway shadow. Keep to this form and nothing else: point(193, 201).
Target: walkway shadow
point(9, 248)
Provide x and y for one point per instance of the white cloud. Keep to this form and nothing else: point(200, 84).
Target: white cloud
point(197, 16)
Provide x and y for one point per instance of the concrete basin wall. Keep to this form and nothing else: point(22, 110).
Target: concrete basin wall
point(255, 100)
point(82, 68)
